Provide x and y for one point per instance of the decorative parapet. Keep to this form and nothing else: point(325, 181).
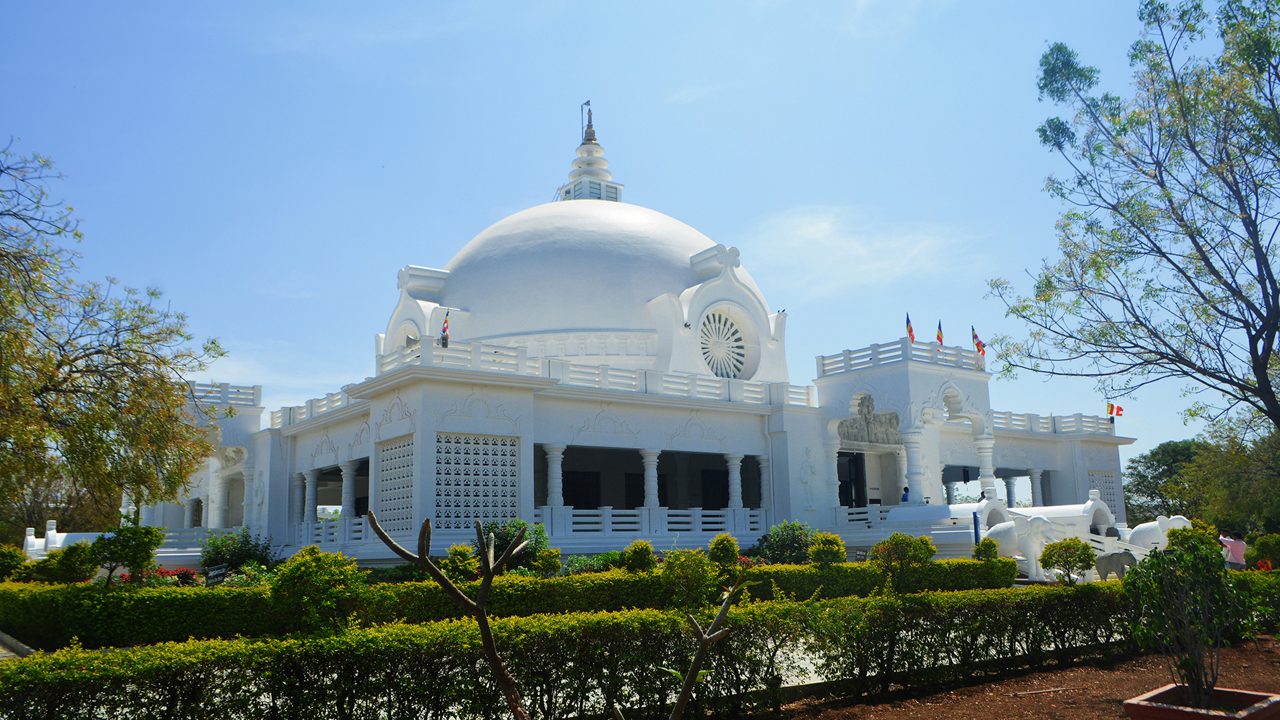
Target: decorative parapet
point(226, 394)
point(1062, 424)
point(899, 351)
point(515, 361)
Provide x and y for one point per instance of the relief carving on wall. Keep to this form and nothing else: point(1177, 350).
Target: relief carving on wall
point(397, 411)
point(322, 449)
point(604, 423)
point(231, 455)
point(359, 445)
point(475, 407)
point(868, 426)
point(694, 429)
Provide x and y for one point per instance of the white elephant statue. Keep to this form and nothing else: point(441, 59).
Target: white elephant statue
point(1023, 539)
point(1154, 535)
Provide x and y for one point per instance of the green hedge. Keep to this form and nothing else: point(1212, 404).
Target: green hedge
point(576, 663)
point(49, 616)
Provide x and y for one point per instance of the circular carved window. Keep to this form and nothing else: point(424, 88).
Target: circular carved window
point(724, 347)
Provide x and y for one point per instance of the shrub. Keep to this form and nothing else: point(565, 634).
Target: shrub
point(72, 564)
point(547, 564)
point(251, 574)
point(1071, 557)
point(578, 564)
point(900, 550)
point(317, 591)
point(1265, 547)
point(504, 532)
point(236, 549)
point(403, 572)
point(130, 546)
point(638, 557)
point(986, 550)
point(827, 548)
point(687, 577)
point(11, 558)
point(1187, 608)
point(460, 564)
point(724, 551)
point(786, 542)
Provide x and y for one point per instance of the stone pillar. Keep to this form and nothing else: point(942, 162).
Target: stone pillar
point(555, 474)
point(296, 513)
point(986, 464)
point(734, 464)
point(951, 492)
point(312, 477)
point(649, 458)
point(766, 487)
point(1008, 490)
point(913, 443)
point(833, 484)
point(250, 494)
point(349, 469)
point(188, 514)
point(217, 501)
point(1037, 490)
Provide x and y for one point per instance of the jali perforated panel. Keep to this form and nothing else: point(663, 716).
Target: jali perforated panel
point(477, 478)
point(395, 484)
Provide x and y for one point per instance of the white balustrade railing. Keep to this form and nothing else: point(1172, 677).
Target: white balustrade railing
point(337, 531)
point(896, 352)
point(192, 537)
point(226, 394)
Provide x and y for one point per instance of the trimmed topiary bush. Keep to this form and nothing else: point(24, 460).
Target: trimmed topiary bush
point(547, 564)
point(638, 557)
point(317, 591)
point(688, 577)
point(786, 542)
point(986, 550)
point(724, 551)
point(1071, 557)
point(827, 549)
point(460, 564)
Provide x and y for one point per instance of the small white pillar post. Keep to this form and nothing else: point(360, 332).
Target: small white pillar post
point(1037, 489)
point(312, 477)
point(986, 464)
point(734, 463)
point(296, 498)
point(217, 503)
point(766, 485)
point(349, 469)
point(649, 458)
point(555, 474)
point(913, 443)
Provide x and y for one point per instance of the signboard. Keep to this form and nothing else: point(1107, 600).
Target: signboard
point(215, 575)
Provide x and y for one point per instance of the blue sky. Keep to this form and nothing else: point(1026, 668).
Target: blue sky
point(270, 166)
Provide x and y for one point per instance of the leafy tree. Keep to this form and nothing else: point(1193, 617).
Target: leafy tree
point(318, 591)
point(1235, 482)
point(1168, 257)
point(11, 558)
point(1154, 484)
point(1070, 557)
point(131, 546)
point(92, 398)
point(723, 550)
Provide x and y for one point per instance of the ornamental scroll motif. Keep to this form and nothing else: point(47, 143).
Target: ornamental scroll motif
point(477, 478)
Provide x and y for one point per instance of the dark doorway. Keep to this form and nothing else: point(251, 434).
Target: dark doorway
point(582, 489)
point(715, 489)
point(851, 468)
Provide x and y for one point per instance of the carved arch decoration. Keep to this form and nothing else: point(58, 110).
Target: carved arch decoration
point(476, 407)
point(324, 449)
point(397, 419)
point(603, 422)
point(948, 403)
point(693, 428)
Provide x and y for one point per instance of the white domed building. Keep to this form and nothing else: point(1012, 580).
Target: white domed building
point(612, 373)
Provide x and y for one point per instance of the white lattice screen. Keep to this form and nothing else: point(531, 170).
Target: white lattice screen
point(1108, 487)
point(395, 484)
point(477, 478)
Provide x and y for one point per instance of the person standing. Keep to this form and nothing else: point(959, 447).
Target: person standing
point(1235, 549)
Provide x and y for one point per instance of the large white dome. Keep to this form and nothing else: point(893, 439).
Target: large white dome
point(580, 265)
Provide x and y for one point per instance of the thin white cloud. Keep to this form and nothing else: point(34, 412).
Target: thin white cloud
point(816, 253)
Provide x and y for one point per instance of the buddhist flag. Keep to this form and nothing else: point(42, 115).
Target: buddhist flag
point(978, 345)
point(911, 332)
point(939, 336)
point(1114, 410)
point(444, 331)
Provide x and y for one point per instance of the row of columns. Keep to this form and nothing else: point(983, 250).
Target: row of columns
point(305, 488)
point(1037, 489)
point(649, 460)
